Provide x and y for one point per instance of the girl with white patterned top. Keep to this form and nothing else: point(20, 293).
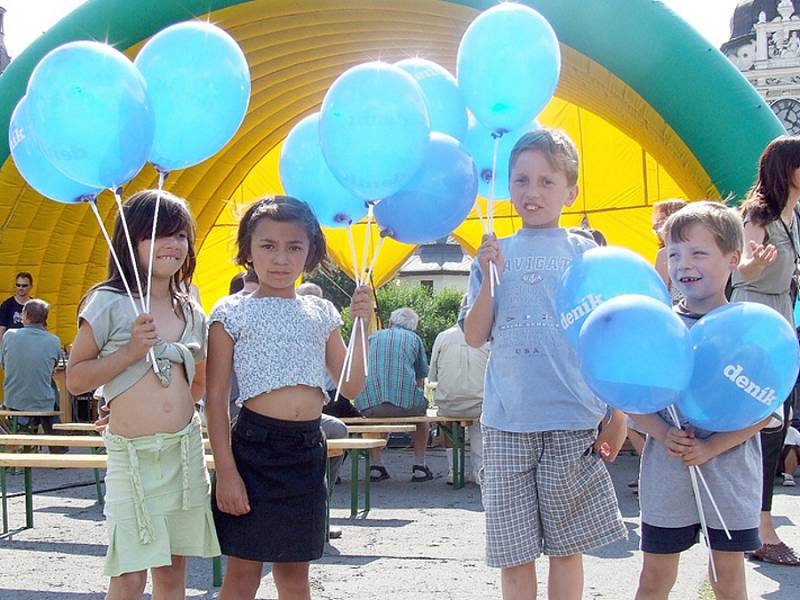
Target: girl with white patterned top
point(270, 468)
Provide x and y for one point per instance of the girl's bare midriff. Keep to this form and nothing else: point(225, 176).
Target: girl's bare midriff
point(292, 403)
point(148, 407)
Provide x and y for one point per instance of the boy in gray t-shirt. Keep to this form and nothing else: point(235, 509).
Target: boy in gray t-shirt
point(704, 246)
point(545, 487)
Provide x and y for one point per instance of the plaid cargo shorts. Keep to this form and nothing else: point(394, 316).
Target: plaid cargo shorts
point(545, 492)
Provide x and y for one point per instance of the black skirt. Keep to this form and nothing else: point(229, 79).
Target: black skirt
point(282, 464)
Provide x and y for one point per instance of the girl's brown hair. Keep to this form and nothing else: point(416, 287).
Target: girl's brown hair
point(767, 198)
point(282, 209)
point(139, 209)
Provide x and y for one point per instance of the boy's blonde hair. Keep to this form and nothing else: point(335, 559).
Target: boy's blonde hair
point(724, 223)
point(556, 145)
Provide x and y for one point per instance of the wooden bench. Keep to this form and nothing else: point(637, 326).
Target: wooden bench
point(98, 461)
point(78, 427)
point(359, 448)
point(453, 428)
point(10, 416)
point(358, 453)
point(371, 431)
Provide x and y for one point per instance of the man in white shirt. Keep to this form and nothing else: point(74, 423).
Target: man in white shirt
point(458, 371)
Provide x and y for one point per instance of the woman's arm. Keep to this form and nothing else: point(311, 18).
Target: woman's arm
point(86, 371)
point(757, 257)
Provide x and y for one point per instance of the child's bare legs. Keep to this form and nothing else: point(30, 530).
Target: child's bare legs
point(128, 586)
point(519, 583)
point(421, 442)
point(291, 579)
point(659, 572)
point(731, 584)
point(169, 583)
point(565, 580)
point(242, 578)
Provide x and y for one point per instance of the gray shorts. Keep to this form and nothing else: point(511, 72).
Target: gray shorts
point(545, 492)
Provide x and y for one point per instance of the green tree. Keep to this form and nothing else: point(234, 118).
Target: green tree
point(436, 312)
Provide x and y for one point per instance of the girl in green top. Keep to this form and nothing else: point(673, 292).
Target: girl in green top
point(157, 486)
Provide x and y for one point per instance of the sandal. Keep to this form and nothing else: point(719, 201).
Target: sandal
point(382, 473)
point(428, 475)
point(777, 554)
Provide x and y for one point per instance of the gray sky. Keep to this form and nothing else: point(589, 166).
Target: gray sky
point(27, 19)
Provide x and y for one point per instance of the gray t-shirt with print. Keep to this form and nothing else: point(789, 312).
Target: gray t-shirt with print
point(533, 382)
point(734, 478)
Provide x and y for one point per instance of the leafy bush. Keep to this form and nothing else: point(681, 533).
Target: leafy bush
point(437, 312)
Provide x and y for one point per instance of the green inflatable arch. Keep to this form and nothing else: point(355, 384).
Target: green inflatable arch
point(631, 63)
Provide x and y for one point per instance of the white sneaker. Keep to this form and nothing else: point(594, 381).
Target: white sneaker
point(788, 480)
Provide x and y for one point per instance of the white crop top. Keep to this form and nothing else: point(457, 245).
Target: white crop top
point(277, 342)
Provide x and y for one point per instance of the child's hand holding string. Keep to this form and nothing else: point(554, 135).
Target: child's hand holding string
point(489, 251)
point(361, 303)
point(143, 336)
point(678, 442)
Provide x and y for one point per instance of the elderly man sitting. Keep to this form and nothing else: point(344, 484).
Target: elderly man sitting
point(398, 366)
point(29, 357)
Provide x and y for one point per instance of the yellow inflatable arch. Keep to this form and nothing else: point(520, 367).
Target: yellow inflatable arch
point(655, 110)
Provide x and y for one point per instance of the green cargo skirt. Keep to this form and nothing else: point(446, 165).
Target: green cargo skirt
point(157, 500)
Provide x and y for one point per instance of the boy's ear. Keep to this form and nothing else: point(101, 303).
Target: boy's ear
point(735, 258)
point(573, 194)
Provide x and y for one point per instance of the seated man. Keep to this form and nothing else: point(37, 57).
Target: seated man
point(29, 357)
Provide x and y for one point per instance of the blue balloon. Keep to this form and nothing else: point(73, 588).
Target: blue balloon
point(305, 175)
point(508, 66)
point(436, 200)
point(199, 86)
point(90, 113)
point(446, 107)
point(34, 166)
point(635, 354)
point(374, 129)
point(598, 275)
point(479, 142)
point(746, 364)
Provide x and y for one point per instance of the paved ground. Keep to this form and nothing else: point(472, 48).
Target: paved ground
point(420, 541)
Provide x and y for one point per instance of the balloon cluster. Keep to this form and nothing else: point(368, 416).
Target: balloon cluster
point(91, 118)
point(399, 137)
point(733, 368)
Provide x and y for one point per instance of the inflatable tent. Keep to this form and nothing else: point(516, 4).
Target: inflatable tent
point(655, 110)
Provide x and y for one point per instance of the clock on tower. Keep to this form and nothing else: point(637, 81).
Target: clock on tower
point(788, 111)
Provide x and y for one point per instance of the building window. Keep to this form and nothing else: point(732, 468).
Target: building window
point(428, 283)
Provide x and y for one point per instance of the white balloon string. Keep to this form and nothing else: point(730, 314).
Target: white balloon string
point(367, 238)
point(344, 367)
point(367, 235)
point(353, 334)
point(161, 177)
point(493, 273)
point(481, 218)
point(490, 206)
point(115, 258)
point(134, 261)
point(702, 478)
point(357, 280)
point(374, 259)
point(699, 502)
